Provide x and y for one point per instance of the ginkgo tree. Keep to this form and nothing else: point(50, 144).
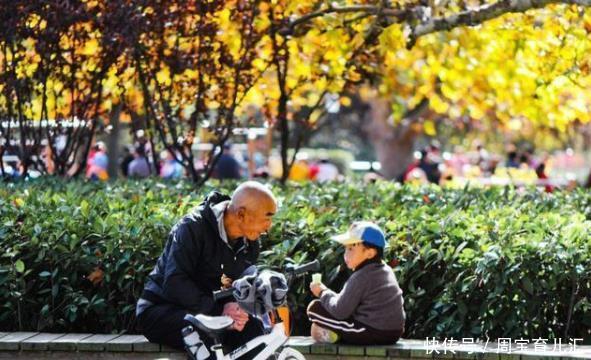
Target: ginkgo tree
point(301, 70)
point(417, 75)
point(518, 68)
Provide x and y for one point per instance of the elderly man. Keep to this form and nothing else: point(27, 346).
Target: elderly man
point(206, 248)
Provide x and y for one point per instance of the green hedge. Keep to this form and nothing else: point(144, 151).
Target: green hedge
point(472, 263)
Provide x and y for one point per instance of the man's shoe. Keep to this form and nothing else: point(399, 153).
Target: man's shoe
point(196, 349)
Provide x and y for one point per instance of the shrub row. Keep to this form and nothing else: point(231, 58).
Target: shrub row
point(472, 262)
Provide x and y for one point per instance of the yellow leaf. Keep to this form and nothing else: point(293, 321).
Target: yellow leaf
point(303, 70)
point(313, 99)
point(449, 92)
point(476, 112)
point(30, 69)
point(259, 64)
point(438, 105)
point(291, 83)
point(191, 74)
point(29, 43)
point(36, 107)
point(50, 102)
point(429, 128)
point(354, 75)
point(163, 76)
point(58, 86)
point(224, 16)
point(345, 101)
point(393, 38)
point(262, 23)
point(321, 84)
point(91, 47)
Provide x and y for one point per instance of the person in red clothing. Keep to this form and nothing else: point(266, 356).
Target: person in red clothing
point(543, 178)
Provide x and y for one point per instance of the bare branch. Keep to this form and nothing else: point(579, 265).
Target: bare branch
point(367, 9)
point(471, 17)
point(483, 14)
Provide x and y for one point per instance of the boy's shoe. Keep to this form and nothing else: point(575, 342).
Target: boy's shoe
point(323, 335)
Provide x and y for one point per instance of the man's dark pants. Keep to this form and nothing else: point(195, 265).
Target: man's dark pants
point(162, 323)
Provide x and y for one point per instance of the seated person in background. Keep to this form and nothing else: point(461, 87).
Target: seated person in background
point(369, 310)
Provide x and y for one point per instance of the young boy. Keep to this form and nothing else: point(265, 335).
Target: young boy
point(369, 310)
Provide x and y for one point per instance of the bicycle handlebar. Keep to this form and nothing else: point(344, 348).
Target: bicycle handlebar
point(304, 268)
point(222, 294)
point(290, 269)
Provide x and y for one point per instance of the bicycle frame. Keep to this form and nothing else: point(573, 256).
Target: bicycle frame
point(271, 341)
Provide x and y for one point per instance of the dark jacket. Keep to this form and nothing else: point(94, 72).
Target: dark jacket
point(194, 259)
point(227, 167)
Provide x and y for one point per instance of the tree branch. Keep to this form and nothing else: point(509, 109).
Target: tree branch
point(367, 9)
point(430, 25)
point(482, 14)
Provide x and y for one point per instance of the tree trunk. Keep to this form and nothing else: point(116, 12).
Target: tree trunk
point(394, 145)
point(113, 143)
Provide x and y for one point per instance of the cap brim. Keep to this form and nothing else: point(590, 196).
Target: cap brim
point(345, 239)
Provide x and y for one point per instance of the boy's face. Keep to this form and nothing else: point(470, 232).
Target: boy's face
point(355, 254)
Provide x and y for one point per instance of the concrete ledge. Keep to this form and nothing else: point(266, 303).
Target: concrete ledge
point(32, 345)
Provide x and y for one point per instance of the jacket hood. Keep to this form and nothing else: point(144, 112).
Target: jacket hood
point(204, 208)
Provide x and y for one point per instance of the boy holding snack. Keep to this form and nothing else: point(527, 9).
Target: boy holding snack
point(369, 310)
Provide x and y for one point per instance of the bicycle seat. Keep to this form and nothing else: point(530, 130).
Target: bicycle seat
point(211, 325)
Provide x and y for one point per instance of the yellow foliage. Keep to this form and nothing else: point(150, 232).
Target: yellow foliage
point(518, 65)
point(91, 47)
point(259, 64)
point(392, 38)
point(533, 66)
point(429, 128)
point(163, 76)
point(191, 74)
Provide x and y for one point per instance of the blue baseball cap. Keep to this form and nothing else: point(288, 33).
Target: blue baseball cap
point(362, 232)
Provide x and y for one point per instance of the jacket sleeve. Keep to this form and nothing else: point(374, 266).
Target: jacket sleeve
point(179, 286)
point(343, 304)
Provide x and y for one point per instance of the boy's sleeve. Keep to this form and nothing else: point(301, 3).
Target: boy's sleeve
point(343, 304)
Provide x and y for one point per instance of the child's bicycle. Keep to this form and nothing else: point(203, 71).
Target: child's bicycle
point(270, 345)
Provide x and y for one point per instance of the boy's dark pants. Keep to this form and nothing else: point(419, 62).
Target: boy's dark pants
point(351, 331)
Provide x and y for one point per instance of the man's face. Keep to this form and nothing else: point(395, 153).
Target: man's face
point(256, 222)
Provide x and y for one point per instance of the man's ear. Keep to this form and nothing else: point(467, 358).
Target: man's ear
point(372, 252)
point(241, 213)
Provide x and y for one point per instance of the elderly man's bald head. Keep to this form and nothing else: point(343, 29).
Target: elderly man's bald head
point(251, 195)
point(250, 211)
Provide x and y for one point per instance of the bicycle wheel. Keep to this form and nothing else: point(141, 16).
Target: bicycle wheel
point(290, 354)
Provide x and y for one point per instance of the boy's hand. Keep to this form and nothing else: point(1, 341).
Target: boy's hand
point(239, 316)
point(317, 288)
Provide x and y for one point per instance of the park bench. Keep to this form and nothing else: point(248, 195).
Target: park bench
point(33, 345)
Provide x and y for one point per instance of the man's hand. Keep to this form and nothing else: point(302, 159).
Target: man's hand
point(239, 316)
point(317, 288)
point(226, 282)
